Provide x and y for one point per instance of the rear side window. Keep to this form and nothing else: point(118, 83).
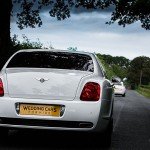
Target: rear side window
point(57, 60)
point(117, 83)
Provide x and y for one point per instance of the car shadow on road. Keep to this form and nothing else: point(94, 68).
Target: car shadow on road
point(44, 140)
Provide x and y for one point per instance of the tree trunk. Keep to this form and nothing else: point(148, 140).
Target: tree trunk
point(141, 74)
point(5, 42)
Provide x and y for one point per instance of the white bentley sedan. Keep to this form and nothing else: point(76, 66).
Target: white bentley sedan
point(55, 90)
point(119, 89)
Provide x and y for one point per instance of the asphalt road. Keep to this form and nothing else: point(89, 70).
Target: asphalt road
point(131, 131)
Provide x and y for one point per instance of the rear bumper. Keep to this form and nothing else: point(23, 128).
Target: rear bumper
point(43, 124)
point(78, 115)
point(119, 92)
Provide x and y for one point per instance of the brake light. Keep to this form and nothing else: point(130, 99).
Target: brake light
point(1, 88)
point(90, 92)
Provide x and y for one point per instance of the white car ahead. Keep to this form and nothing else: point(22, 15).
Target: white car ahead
point(119, 89)
point(55, 90)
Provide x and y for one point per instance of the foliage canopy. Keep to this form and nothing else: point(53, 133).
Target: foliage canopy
point(139, 69)
point(125, 11)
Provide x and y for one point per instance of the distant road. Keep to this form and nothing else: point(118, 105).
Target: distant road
point(131, 131)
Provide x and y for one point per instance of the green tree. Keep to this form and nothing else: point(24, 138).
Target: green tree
point(125, 12)
point(115, 66)
point(25, 44)
point(107, 58)
point(121, 61)
point(139, 71)
point(107, 67)
point(117, 60)
point(119, 71)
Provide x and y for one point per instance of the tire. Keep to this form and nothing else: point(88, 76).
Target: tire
point(4, 132)
point(107, 135)
point(124, 95)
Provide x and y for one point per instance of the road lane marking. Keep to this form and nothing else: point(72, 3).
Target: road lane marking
point(117, 120)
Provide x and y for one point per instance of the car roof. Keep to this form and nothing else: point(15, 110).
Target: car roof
point(54, 50)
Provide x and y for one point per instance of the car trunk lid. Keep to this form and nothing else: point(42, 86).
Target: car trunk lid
point(53, 84)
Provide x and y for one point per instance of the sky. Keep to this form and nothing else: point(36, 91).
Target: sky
point(88, 32)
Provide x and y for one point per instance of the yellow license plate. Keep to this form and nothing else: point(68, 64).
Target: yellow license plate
point(40, 110)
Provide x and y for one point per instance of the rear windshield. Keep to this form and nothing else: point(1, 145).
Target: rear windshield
point(57, 60)
point(117, 83)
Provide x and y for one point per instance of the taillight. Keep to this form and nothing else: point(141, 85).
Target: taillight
point(1, 88)
point(90, 92)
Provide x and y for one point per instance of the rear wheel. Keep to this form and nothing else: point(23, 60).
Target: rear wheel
point(107, 135)
point(124, 95)
point(3, 132)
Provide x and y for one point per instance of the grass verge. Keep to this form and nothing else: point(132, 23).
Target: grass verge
point(144, 90)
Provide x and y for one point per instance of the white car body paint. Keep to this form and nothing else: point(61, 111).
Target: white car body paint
point(61, 87)
point(119, 89)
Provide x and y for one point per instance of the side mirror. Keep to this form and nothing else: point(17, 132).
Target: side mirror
point(125, 79)
point(112, 84)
